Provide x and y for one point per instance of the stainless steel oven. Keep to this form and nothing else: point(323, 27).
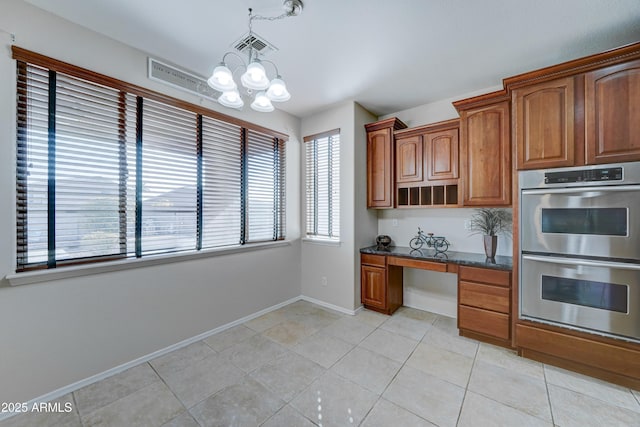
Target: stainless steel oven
point(594, 295)
point(580, 248)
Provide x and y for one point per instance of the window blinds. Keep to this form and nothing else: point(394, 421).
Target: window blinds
point(264, 176)
point(105, 174)
point(221, 183)
point(76, 161)
point(169, 178)
point(322, 162)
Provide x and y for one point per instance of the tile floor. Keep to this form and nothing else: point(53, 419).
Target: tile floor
point(303, 365)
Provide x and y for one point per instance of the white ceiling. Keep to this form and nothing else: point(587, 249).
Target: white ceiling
point(388, 55)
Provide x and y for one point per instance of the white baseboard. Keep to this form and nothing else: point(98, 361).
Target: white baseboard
point(113, 371)
point(329, 306)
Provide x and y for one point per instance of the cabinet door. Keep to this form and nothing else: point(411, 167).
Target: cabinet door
point(612, 114)
point(409, 159)
point(544, 124)
point(442, 154)
point(486, 156)
point(373, 287)
point(379, 169)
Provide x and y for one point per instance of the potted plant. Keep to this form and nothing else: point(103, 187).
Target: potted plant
point(490, 222)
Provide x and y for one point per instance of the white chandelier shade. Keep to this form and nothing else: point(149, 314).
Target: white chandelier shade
point(222, 78)
point(255, 77)
point(262, 103)
point(231, 99)
point(277, 91)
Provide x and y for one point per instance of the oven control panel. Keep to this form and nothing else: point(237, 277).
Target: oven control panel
point(584, 175)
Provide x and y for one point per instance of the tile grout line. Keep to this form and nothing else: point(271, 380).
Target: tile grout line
point(399, 369)
point(171, 390)
point(546, 385)
point(75, 403)
point(602, 401)
point(215, 353)
point(528, 378)
point(466, 388)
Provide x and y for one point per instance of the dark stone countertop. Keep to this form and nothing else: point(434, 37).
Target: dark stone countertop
point(461, 258)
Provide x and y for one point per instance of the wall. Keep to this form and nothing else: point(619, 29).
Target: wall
point(58, 332)
point(427, 290)
point(340, 264)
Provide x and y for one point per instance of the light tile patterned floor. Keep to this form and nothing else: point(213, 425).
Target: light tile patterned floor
point(303, 365)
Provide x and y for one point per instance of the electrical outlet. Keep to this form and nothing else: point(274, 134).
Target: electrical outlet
point(394, 222)
point(323, 280)
point(467, 224)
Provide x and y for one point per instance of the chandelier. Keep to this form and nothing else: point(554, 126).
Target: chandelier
point(254, 79)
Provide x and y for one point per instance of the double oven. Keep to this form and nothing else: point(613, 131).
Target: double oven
point(580, 248)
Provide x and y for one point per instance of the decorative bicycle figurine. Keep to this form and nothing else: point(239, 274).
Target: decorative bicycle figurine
point(439, 243)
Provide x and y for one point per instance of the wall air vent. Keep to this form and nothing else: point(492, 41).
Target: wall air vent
point(260, 45)
point(181, 79)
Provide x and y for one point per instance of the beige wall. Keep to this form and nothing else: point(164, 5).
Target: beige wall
point(340, 264)
point(58, 332)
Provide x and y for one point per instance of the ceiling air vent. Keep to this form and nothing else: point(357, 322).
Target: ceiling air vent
point(260, 45)
point(181, 79)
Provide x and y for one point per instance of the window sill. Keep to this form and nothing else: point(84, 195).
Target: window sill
point(106, 267)
point(324, 242)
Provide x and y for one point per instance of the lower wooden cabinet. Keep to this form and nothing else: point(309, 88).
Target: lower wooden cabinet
point(380, 284)
point(610, 359)
point(484, 304)
point(374, 292)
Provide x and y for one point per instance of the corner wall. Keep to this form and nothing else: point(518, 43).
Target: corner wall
point(340, 264)
point(60, 332)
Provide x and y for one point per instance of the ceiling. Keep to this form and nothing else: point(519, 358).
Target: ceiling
point(387, 55)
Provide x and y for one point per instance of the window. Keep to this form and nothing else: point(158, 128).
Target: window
point(322, 153)
point(104, 173)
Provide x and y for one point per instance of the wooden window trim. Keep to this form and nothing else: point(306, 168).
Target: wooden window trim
point(34, 58)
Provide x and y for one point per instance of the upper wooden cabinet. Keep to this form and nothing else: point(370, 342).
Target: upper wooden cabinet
point(409, 159)
point(380, 162)
point(543, 120)
point(427, 165)
point(585, 111)
point(442, 154)
point(485, 148)
point(612, 114)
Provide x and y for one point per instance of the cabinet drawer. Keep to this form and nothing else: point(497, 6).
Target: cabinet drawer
point(418, 263)
point(485, 275)
point(372, 259)
point(494, 298)
point(484, 322)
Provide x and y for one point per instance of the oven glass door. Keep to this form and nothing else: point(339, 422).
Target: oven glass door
point(591, 295)
point(598, 221)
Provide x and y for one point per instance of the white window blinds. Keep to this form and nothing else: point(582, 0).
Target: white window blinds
point(221, 183)
point(169, 178)
point(322, 154)
point(103, 173)
point(265, 190)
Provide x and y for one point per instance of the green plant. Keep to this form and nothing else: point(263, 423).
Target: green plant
point(491, 221)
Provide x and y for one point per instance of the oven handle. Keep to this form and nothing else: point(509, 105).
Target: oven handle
point(581, 189)
point(585, 262)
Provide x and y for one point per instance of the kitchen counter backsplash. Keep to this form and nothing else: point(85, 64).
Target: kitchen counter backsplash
point(402, 225)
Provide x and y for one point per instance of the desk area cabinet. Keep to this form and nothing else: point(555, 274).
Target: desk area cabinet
point(484, 304)
point(484, 289)
point(380, 285)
